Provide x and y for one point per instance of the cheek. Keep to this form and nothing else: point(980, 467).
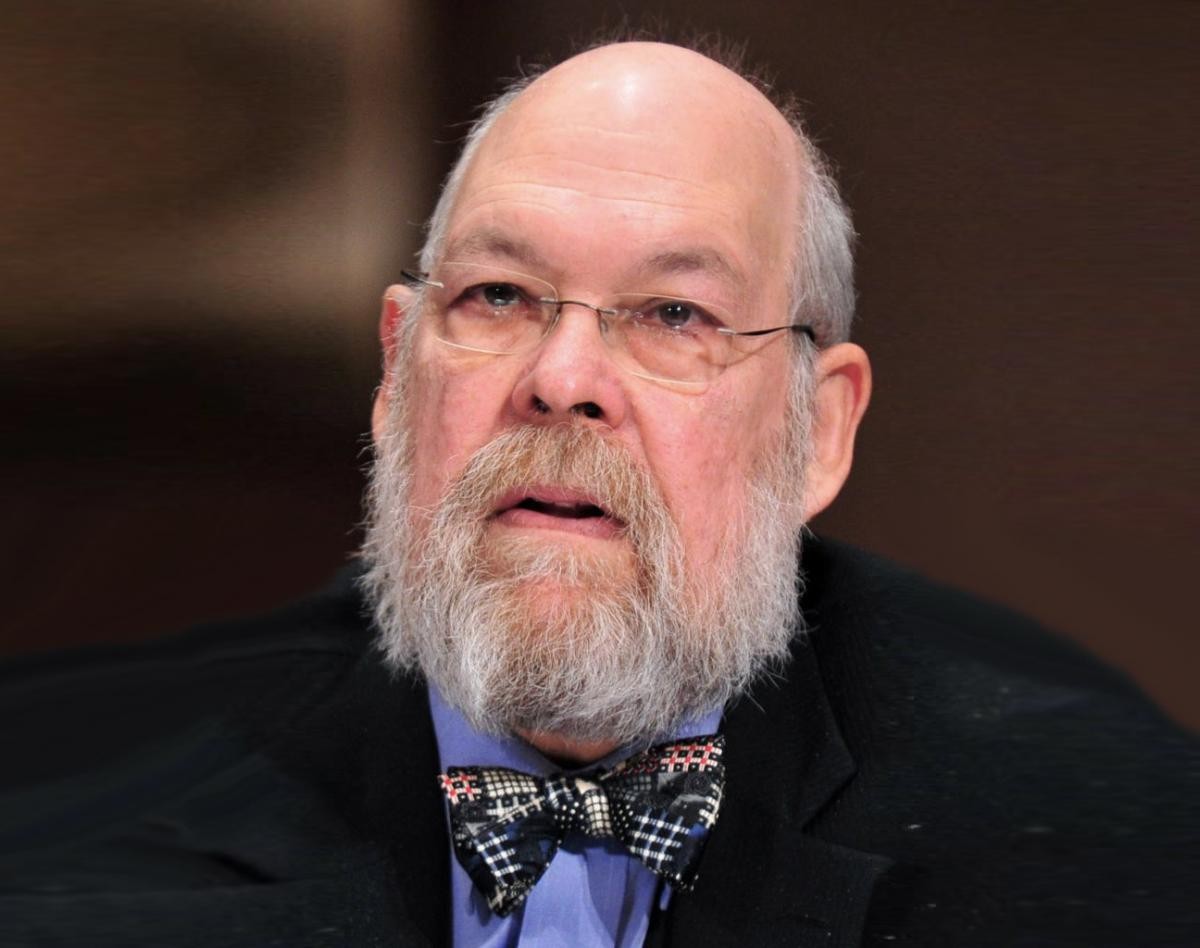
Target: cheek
point(731, 430)
point(453, 413)
point(702, 458)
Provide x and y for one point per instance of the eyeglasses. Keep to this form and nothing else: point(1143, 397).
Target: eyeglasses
point(489, 309)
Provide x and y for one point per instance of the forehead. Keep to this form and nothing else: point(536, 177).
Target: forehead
point(648, 165)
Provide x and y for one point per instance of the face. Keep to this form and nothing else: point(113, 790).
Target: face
point(600, 194)
point(554, 537)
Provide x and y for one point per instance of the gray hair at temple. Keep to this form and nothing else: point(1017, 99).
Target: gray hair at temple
point(821, 283)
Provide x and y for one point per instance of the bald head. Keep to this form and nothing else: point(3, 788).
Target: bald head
point(667, 100)
point(658, 130)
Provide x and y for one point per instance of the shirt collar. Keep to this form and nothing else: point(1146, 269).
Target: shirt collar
point(460, 745)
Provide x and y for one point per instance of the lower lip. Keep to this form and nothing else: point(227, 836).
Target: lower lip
point(602, 528)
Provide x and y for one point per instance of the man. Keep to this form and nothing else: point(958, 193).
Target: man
point(614, 394)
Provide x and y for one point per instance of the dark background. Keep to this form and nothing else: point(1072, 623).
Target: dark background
point(204, 201)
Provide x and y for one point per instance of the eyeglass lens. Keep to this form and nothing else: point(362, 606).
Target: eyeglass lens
point(495, 310)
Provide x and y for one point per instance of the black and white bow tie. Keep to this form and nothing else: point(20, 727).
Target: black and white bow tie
point(661, 804)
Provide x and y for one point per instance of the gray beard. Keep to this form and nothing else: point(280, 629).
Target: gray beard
point(615, 655)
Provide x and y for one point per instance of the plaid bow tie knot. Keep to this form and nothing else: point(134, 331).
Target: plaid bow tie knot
point(661, 804)
point(580, 804)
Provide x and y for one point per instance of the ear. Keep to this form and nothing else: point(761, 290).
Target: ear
point(842, 393)
point(397, 300)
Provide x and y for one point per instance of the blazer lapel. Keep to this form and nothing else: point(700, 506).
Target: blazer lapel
point(386, 787)
point(764, 880)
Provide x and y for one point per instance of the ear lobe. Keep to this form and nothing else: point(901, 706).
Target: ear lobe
point(843, 391)
point(397, 300)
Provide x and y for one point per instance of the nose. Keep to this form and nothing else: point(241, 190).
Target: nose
point(571, 375)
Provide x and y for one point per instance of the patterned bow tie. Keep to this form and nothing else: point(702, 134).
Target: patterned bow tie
point(661, 804)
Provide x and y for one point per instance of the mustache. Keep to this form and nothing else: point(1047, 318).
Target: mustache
point(573, 457)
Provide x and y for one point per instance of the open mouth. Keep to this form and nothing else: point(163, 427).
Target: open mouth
point(572, 511)
point(556, 508)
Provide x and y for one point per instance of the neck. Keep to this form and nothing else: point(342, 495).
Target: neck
point(567, 752)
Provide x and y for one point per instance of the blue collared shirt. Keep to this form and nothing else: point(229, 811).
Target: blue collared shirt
point(592, 893)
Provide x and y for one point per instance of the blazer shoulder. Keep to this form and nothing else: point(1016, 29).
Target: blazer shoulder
point(903, 654)
point(996, 764)
point(67, 712)
point(859, 599)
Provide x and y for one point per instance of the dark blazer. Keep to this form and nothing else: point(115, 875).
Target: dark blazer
point(929, 771)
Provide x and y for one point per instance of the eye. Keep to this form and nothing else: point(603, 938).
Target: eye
point(493, 300)
point(499, 295)
point(675, 316)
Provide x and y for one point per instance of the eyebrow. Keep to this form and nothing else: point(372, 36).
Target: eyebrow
point(693, 260)
point(491, 242)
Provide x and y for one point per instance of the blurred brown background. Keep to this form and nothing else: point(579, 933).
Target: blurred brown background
point(203, 202)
